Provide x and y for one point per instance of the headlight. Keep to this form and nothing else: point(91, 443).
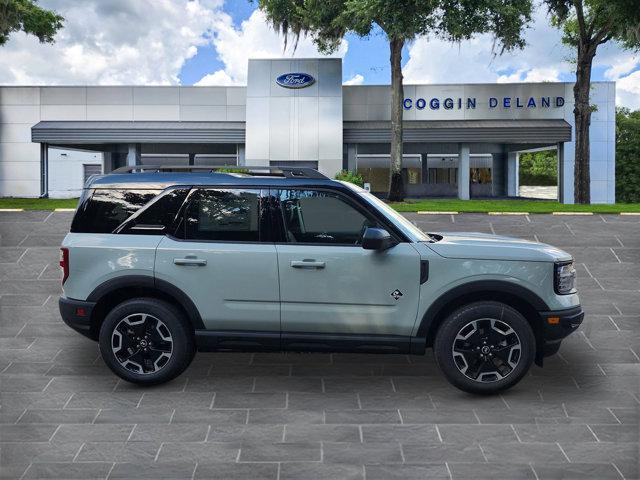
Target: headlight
point(565, 278)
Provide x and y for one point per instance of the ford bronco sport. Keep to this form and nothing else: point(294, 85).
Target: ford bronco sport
point(163, 261)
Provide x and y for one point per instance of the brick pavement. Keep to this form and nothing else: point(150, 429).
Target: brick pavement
point(64, 415)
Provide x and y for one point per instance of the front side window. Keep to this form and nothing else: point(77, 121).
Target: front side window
point(231, 215)
point(103, 210)
point(313, 216)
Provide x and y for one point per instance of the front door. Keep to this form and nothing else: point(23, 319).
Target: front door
point(219, 260)
point(328, 283)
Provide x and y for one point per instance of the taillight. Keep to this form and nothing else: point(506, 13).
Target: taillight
point(64, 263)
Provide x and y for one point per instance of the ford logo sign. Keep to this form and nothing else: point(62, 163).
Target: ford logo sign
point(295, 80)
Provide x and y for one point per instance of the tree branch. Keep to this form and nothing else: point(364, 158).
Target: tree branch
point(580, 14)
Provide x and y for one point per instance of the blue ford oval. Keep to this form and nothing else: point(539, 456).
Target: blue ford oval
point(295, 80)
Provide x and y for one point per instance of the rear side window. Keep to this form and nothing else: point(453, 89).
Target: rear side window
point(158, 216)
point(103, 210)
point(231, 215)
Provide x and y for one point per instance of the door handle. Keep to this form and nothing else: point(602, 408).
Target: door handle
point(307, 263)
point(190, 261)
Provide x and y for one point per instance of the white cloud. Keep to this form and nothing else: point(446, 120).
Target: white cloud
point(114, 42)
point(622, 65)
point(545, 58)
point(357, 79)
point(253, 39)
point(219, 77)
point(436, 61)
point(531, 75)
point(628, 91)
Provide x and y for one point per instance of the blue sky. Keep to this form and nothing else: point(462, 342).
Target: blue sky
point(368, 56)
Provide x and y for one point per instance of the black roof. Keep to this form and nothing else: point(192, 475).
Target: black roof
point(160, 177)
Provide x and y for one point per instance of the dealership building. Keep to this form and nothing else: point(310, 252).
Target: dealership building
point(460, 140)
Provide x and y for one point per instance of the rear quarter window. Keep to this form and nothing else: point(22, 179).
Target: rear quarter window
point(103, 210)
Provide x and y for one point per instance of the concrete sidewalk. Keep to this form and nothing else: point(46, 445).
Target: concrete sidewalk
point(308, 416)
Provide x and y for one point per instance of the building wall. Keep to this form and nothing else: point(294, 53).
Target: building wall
point(23, 107)
point(289, 125)
point(286, 124)
point(66, 171)
point(371, 103)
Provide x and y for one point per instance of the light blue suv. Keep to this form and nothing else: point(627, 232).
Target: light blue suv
point(163, 261)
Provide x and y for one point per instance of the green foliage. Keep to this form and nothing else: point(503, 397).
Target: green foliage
point(28, 17)
point(351, 177)
point(328, 21)
point(231, 170)
point(38, 203)
point(539, 168)
point(627, 155)
point(529, 206)
point(594, 22)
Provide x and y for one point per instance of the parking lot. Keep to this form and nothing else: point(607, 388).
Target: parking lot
point(308, 416)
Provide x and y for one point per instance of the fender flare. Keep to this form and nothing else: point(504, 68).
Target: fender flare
point(475, 287)
point(147, 281)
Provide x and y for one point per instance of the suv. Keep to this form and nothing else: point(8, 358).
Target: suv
point(163, 261)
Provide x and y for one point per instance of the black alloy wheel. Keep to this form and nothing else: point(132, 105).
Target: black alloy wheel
point(486, 350)
point(147, 341)
point(142, 343)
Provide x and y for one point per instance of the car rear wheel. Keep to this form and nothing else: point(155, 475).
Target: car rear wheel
point(146, 341)
point(485, 347)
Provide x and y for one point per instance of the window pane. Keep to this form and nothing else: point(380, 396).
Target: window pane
point(105, 209)
point(321, 217)
point(159, 216)
point(228, 215)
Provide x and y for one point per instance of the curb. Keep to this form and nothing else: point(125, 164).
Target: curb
point(11, 209)
point(65, 210)
point(436, 213)
point(507, 213)
point(571, 213)
point(630, 214)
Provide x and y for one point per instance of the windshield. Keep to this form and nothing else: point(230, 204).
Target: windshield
point(409, 228)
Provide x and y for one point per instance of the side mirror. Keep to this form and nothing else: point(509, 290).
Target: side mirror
point(376, 239)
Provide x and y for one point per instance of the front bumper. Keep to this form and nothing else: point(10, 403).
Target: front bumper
point(557, 325)
point(77, 315)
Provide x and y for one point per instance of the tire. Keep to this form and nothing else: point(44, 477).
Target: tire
point(134, 326)
point(476, 347)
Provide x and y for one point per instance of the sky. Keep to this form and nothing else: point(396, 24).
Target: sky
point(208, 42)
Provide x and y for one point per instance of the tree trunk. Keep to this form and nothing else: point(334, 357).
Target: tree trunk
point(582, 115)
point(396, 185)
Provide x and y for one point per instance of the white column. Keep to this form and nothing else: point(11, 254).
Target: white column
point(562, 176)
point(513, 166)
point(463, 171)
point(133, 154)
point(241, 155)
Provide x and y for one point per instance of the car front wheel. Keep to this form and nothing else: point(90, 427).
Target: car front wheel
point(146, 341)
point(485, 347)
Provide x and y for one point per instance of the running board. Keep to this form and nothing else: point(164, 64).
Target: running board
point(234, 340)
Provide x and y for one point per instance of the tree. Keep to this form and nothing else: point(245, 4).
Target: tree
point(539, 168)
point(28, 17)
point(587, 24)
point(627, 156)
point(327, 22)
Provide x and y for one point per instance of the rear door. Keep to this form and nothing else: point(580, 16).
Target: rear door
point(219, 258)
point(328, 282)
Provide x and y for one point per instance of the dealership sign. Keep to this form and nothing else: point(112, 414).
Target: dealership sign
point(493, 102)
point(295, 80)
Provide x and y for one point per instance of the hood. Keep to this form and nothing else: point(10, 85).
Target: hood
point(495, 247)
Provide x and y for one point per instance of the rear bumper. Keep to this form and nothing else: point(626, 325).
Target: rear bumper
point(557, 325)
point(77, 315)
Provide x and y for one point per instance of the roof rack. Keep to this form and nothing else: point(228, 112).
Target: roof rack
point(289, 172)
